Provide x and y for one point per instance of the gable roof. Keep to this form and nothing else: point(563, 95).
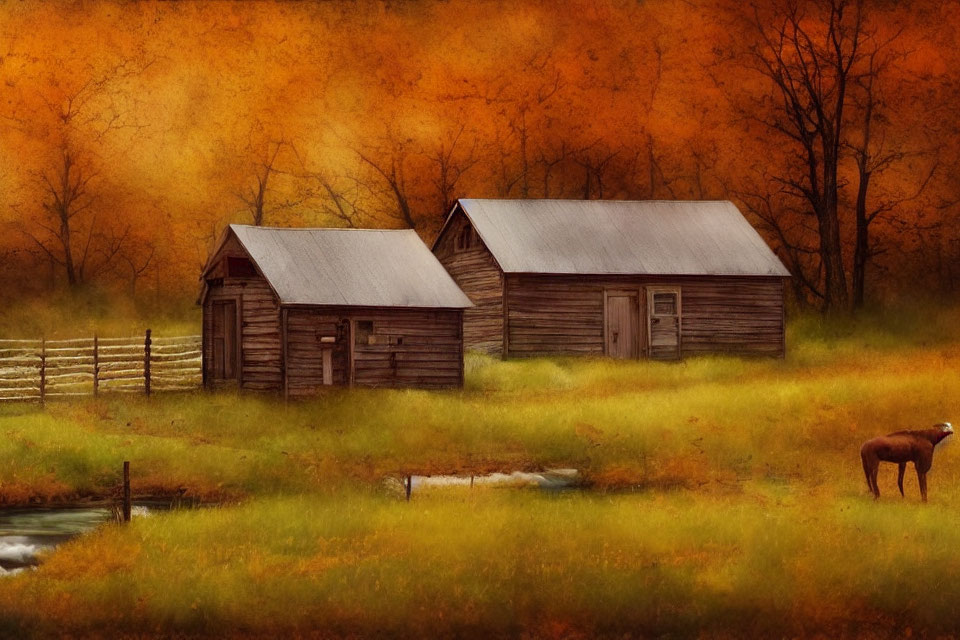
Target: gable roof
point(350, 267)
point(598, 237)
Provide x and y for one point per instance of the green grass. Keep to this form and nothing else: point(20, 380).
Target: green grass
point(726, 497)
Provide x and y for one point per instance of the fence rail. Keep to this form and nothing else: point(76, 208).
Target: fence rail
point(36, 370)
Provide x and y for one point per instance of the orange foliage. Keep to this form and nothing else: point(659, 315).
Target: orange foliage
point(380, 114)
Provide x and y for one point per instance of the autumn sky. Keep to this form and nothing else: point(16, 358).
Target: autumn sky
point(169, 120)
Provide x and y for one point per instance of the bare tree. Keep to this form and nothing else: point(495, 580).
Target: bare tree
point(79, 116)
point(549, 158)
point(521, 105)
point(137, 261)
point(595, 160)
point(389, 162)
point(339, 197)
point(266, 166)
point(449, 167)
point(794, 239)
point(808, 58)
point(874, 154)
point(66, 198)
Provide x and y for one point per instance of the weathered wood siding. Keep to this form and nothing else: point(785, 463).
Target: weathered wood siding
point(477, 274)
point(407, 348)
point(728, 315)
point(564, 315)
point(259, 312)
point(305, 330)
point(430, 353)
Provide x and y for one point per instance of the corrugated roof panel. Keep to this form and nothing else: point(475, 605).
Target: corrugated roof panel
point(622, 237)
point(352, 267)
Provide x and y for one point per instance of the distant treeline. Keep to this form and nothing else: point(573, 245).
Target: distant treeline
point(133, 133)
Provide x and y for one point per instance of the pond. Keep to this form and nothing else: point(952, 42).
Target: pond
point(549, 479)
point(26, 532)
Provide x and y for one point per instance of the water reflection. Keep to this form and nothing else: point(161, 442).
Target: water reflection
point(26, 532)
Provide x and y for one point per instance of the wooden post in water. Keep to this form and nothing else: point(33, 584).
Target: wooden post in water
point(43, 371)
point(126, 491)
point(96, 365)
point(409, 486)
point(146, 364)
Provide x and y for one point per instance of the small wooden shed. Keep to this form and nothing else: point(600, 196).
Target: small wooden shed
point(626, 279)
point(295, 310)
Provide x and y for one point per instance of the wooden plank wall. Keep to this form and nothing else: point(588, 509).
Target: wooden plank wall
point(554, 315)
point(477, 274)
point(305, 328)
point(563, 315)
point(430, 353)
point(728, 315)
point(259, 310)
point(408, 348)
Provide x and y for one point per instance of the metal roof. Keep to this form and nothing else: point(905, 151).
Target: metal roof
point(350, 267)
point(621, 237)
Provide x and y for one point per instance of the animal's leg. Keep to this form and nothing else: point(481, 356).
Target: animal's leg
point(866, 470)
point(901, 468)
point(922, 479)
point(873, 479)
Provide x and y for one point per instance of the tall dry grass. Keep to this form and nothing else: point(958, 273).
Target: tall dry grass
point(768, 561)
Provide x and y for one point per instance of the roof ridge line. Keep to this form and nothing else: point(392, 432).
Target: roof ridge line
point(271, 228)
point(597, 200)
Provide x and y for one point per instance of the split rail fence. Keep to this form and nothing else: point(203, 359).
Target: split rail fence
point(38, 370)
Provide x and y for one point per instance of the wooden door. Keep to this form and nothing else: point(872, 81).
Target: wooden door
point(224, 340)
point(663, 318)
point(622, 330)
point(326, 367)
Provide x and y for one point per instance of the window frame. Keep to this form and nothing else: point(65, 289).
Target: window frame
point(677, 291)
point(465, 240)
point(357, 331)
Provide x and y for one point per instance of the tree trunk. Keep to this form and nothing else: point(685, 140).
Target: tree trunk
point(836, 296)
point(831, 253)
point(71, 269)
point(861, 249)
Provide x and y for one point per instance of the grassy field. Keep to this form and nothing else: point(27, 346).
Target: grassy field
point(724, 497)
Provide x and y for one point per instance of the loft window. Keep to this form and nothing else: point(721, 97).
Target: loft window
point(665, 304)
point(364, 331)
point(465, 238)
point(240, 268)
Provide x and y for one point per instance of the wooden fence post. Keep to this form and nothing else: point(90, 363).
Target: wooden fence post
point(43, 371)
point(96, 365)
point(146, 364)
point(126, 491)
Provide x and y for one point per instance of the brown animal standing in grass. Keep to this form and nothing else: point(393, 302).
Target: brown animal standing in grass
point(903, 447)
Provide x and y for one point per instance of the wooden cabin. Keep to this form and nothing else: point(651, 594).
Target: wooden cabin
point(623, 279)
point(296, 310)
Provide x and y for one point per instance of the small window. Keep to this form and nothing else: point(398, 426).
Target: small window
point(240, 268)
point(665, 304)
point(364, 331)
point(465, 238)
